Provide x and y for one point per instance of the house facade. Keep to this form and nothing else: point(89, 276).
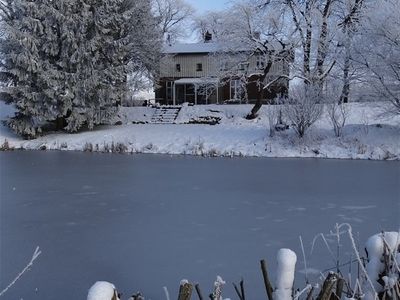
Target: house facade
point(202, 73)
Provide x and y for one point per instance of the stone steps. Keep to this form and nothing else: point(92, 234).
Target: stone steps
point(165, 115)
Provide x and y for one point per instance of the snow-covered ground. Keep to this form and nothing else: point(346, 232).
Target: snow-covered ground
point(367, 135)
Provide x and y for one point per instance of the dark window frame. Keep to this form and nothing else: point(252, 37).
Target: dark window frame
point(260, 62)
point(168, 87)
point(199, 67)
point(178, 67)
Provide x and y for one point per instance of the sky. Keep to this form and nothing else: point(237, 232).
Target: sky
point(204, 5)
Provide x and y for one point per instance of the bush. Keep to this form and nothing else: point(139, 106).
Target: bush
point(303, 108)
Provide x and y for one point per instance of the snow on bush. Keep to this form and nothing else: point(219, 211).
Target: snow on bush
point(303, 108)
point(218, 284)
point(383, 262)
point(102, 290)
point(286, 259)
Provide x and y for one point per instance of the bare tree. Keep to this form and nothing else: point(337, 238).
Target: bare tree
point(352, 11)
point(380, 35)
point(212, 22)
point(173, 15)
point(207, 87)
point(253, 33)
point(303, 108)
point(312, 21)
point(273, 114)
point(323, 37)
point(338, 113)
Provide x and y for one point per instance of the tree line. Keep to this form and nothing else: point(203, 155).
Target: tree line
point(351, 47)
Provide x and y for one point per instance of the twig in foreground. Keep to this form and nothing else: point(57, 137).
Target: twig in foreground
point(34, 257)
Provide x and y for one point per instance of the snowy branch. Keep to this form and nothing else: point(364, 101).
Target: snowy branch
point(24, 270)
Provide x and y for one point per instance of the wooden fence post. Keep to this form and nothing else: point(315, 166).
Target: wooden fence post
point(327, 287)
point(267, 283)
point(185, 290)
point(198, 291)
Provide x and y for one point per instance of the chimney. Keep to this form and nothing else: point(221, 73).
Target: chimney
point(207, 37)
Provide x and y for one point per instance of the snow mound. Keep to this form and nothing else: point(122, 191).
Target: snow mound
point(378, 246)
point(102, 290)
point(286, 259)
point(375, 244)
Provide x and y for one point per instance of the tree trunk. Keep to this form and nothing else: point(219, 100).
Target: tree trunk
point(344, 97)
point(322, 51)
point(60, 123)
point(257, 106)
point(306, 56)
point(307, 43)
point(322, 42)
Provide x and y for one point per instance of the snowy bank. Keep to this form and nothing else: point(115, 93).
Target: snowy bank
point(365, 136)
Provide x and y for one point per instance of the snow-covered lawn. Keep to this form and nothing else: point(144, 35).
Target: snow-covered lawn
point(366, 135)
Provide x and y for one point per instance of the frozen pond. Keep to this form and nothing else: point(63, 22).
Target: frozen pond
point(145, 221)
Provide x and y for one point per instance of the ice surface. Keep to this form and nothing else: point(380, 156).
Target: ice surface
point(146, 221)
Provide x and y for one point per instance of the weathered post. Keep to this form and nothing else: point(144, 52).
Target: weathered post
point(327, 287)
point(267, 283)
point(198, 291)
point(185, 290)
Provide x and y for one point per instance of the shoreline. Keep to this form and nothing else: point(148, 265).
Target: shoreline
point(206, 155)
point(365, 135)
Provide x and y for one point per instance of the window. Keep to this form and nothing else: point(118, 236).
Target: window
point(199, 67)
point(236, 89)
point(260, 62)
point(178, 67)
point(243, 66)
point(169, 89)
point(223, 66)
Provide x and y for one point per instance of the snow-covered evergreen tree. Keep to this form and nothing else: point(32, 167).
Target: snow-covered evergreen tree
point(67, 61)
point(28, 76)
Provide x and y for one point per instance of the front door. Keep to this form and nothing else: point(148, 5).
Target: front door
point(190, 93)
point(180, 94)
point(168, 89)
point(184, 93)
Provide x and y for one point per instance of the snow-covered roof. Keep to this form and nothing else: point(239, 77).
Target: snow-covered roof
point(191, 48)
